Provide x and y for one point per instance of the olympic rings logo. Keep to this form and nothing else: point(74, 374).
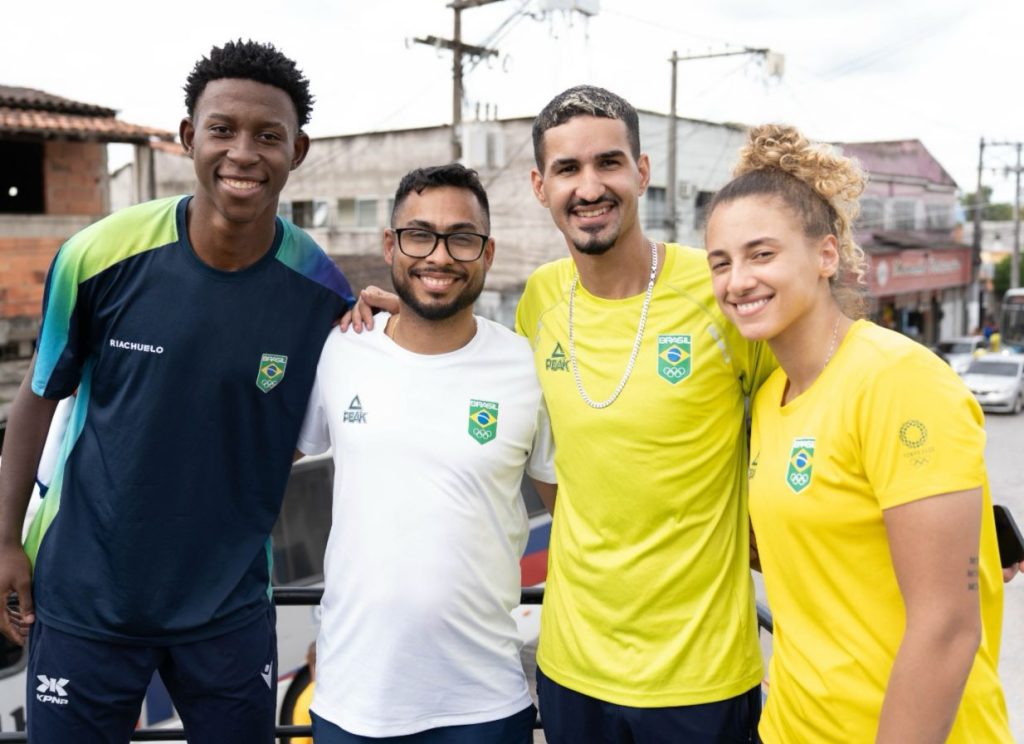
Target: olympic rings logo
point(486, 434)
point(799, 479)
point(674, 372)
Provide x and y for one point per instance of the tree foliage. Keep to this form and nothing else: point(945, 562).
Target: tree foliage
point(993, 212)
point(1001, 278)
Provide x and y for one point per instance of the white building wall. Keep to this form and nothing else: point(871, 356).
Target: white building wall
point(369, 166)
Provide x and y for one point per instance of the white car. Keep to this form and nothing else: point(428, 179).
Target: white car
point(997, 381)
point(960, 350)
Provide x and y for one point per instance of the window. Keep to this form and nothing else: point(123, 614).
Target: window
point(701, 207)
point(657, 208)
point(872, 215)
point(904, 214)
point(358, 212)
point(21, 178)
point(939, 216)
point(366, 213)
point(299, 538)
point(308, 214)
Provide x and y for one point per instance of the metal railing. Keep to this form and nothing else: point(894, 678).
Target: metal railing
point(292, 596)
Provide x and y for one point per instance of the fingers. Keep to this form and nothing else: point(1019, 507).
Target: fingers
point(380, 299)
point(16, 621)
point(365, 308)
point(1009, 572)
point(345, 321)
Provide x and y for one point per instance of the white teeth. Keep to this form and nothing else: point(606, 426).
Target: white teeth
point(749, 307)
point(437, 282)
point(235, 184)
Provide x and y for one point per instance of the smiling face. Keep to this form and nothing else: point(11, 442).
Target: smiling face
point(244, 139)
point(438, 287)
point(767, 274)
point(591, 183)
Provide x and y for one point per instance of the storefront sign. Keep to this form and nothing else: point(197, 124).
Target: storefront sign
point(918, 270)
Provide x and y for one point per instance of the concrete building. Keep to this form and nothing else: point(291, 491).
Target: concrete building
point(53, 182)
point(918, 283)
point(344, 192)
point(919, 280)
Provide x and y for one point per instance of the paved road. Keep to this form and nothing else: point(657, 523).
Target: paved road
point(1005, 456)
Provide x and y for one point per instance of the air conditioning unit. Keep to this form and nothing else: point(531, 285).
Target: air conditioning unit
point(585, 7)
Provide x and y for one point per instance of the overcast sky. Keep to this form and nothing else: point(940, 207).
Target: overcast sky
point(944, 71)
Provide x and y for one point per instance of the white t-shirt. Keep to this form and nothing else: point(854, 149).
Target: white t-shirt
point(422, 564)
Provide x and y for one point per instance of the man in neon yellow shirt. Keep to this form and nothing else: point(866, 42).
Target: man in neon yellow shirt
point(649, 631)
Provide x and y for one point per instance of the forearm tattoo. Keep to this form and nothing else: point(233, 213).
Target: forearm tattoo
point(972, 573)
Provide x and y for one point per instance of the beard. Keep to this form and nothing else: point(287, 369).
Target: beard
point(436, 310)
point(594, 246)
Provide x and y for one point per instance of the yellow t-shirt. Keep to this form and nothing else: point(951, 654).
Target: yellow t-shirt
point(649, 600)
point(301, 715)
point(885, 424)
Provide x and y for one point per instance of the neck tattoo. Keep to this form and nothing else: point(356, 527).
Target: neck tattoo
point(636, 343)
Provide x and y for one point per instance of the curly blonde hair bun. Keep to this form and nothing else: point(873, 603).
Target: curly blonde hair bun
point(820, 186)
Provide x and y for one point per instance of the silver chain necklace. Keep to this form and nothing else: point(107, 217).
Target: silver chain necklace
point(636, 343)
point(832, 346)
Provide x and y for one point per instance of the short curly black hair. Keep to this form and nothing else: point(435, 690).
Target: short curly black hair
point(251, 60)
point(452, 174)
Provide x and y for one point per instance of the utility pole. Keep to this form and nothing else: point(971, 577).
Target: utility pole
point(1015, 256)
point(458, 48)
point(670, 187)
point(976, 242)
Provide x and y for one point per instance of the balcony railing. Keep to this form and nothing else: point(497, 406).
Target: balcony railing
point(290, 596)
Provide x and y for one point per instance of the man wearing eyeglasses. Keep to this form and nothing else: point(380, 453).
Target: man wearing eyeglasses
point(433, 416)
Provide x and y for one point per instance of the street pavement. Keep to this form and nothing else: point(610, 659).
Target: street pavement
point(1004, 453)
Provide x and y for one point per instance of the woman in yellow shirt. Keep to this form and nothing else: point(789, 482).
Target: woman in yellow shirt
point(868, 491)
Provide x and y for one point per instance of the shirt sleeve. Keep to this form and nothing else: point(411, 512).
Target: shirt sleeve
point(760, 365)
point(521, 313)
point(60, 349)
point(541, 464)
point(314, 436)
point(921, 431)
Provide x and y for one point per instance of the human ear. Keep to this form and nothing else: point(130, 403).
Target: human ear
point(389, 246)
point(187, 135)
point(828, 256)
point(537, 181)
point(301, 149)
point(644, 165)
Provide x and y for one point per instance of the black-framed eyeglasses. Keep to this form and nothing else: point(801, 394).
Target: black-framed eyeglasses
point(418, 242)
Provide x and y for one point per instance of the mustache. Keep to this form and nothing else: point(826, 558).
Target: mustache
point(584, 203)
point(450, 271)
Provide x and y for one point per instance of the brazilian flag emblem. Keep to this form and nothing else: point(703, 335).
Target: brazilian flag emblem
point(801, 464)
point(675, 357)
point(271, 373)
point(483, 420)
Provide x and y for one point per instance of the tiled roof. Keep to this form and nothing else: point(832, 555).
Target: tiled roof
point(39, 100)
point(909, 158)
point(75, 126)
point(886, 240)
point(171, 147)
point(30, 111)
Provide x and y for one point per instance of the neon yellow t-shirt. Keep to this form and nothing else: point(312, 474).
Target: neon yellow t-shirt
point(649, 600)
point(301, 715)
point(885, 424)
